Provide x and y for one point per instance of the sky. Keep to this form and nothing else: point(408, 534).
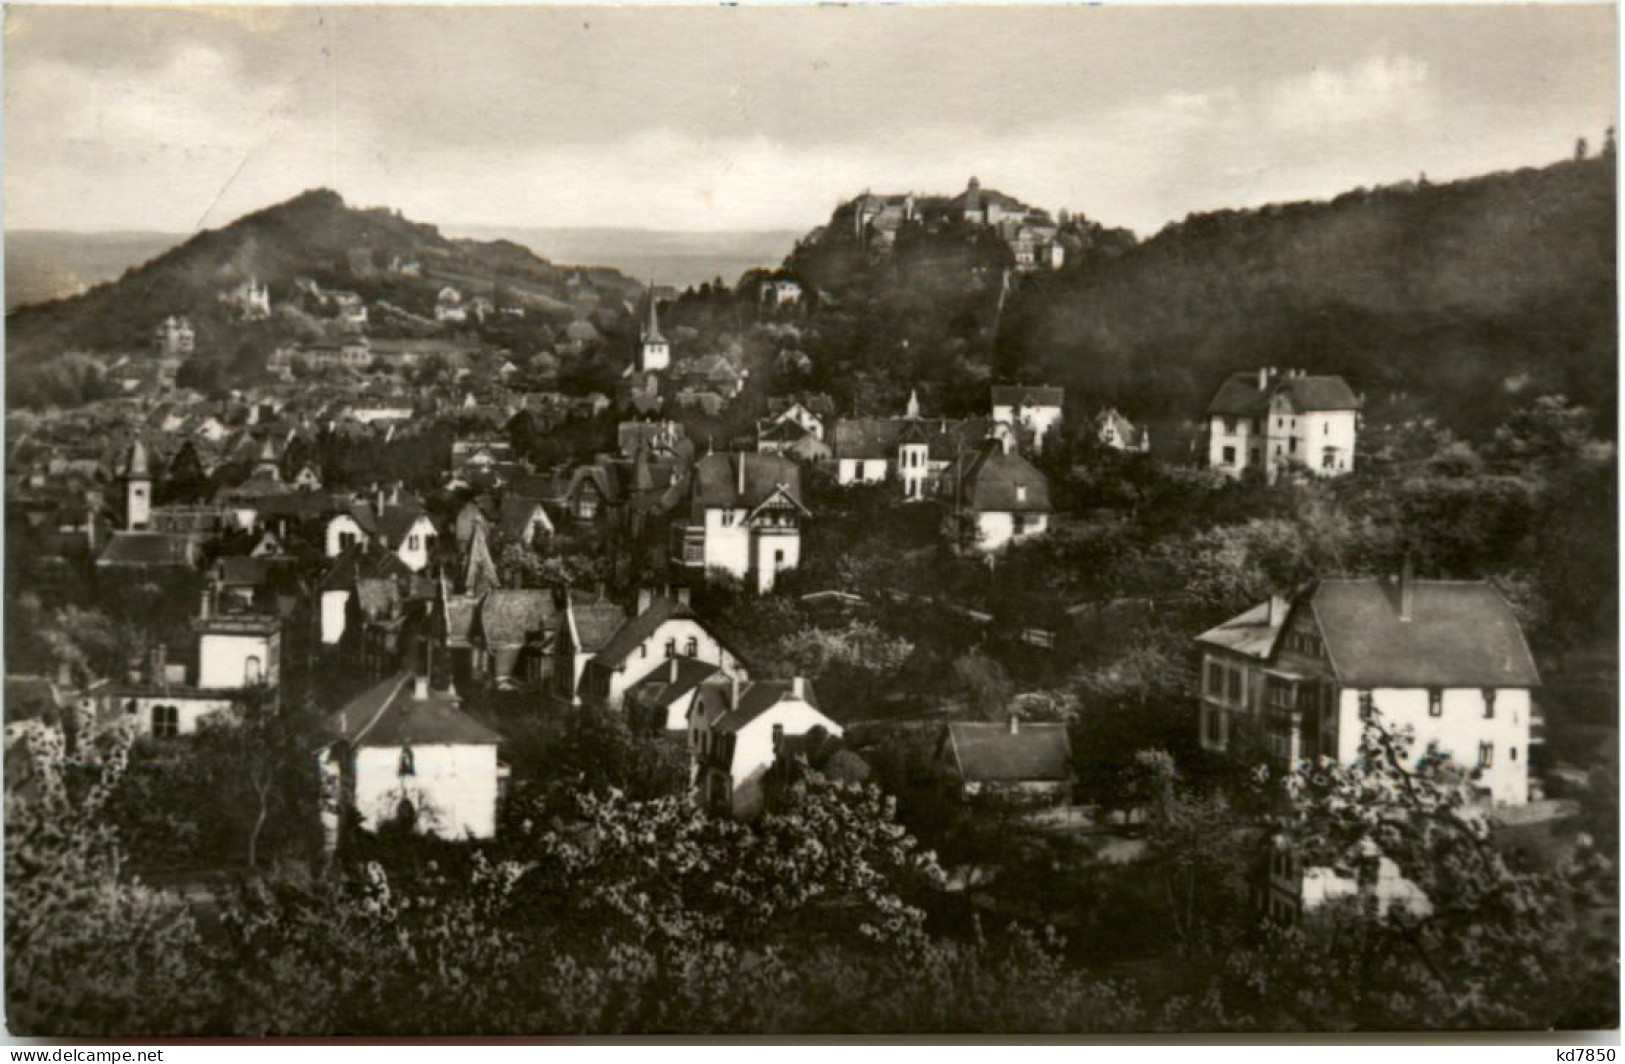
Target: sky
point(721, 119)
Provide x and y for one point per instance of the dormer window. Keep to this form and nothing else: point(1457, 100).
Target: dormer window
point(408, 765)
point(1435, 702)
point(1489, 703)
point(1021, 493)
point(692, 648)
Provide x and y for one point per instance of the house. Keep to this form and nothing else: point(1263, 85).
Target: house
point(996, 499)
point(400, 527)
point(742, 516)
point(1299, 677)
point(514, 630)
point(525, 521)
point(663, 629)
point(911, 450)
point(150, 550)
point(1033, 411)
point(654, 350)
point(776, 293)
point(174, 337)
point(1117, 433)
point(448, 306)
point(250, 301)
point(1019, 762)
point(587, 626)
point(1274, 419)
point(358, 562)
point(737, 729)
point(660, 703)
point(404, 754)
point(238, 655)
point(791, 439)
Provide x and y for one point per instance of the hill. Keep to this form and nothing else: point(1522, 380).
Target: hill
point(1462, 297)
point(671, 257)
point(313, 235)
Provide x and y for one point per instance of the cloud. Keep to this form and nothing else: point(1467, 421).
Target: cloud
point(1381, 87)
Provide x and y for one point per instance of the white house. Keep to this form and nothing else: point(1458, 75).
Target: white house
point(403, 753)
point(743, 517)
point(1447, 660)
point(402, 529)
point(735, 730)
point(1034, 410)
point(1274, 419)
point(1118, 433)
point(237, 654)
point(448, 306)
point(664, 629)
point(911, 450)
point(995, 499)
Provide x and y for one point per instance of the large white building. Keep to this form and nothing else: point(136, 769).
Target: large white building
point(743, 517)
point(664, 629)
point(403, 753)
point(1032, 410)
point(1298, 677)
point(1275, 419)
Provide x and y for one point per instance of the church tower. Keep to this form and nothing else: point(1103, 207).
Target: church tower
point(137, 489)
point(654, 350)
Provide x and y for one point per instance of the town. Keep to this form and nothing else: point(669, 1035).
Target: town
point(795, 611)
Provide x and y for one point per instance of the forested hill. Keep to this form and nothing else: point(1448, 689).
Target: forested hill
point(317, 235)
point(1457, 297)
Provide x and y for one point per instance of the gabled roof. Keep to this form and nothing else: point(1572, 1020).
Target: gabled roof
point(717, 480)
point(759, 696)
point(992, 753)
point(357, 563)
point(377, 596)
point(1461, 634)
point(514, 616)
point(243, 571)
point(390, 714)
point(596, 620)
point(993, 482)
point(148, 548)
point(1251, 633)
point(666, 685)
point(867, 437)
point(639, 628)
point(1240, 395)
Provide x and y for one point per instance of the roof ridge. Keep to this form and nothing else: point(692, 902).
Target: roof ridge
point(387, 702)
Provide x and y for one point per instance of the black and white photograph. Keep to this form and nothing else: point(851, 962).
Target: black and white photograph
point(810, 522)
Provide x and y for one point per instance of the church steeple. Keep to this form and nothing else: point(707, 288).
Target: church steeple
point(654, 350)
point(913, 404)
point(137, 489)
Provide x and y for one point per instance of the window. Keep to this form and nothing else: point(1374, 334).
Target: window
point(1486, 755)
point(727, 518)
point(408, 765)
point(1233, 685)
point(412, 543)
point(1292, 444)
point(1435, 702)
point(1368, 706)
point(1512, 753)
point(643, 651)
point(1018, 524)
point(671, 648)
point(346, 540)
point(692, 648)
point(693, 552)
point(1328, 458)
point(1229, 456)
point(778, 559)
point(1280, 422)
point(778, 735)
point(1215, 679)
point(166, 722)
point(1326, 428)
point(1229, 426)
point(1489, 703)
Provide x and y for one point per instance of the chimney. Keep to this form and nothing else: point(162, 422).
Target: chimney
point(205, 606)
point(645, 597)
point(733, 702)
point(1015, 724)
point(741, 460)
point(159, 670)
point(378, 500)
point(420, 688)
point(798, 689)
point(683, 594)
point(64, 674)
point(1263, 378)
point(1407, 589)
point(671, 669)
point(1277, 612)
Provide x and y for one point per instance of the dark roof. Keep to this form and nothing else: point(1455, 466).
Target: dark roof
point(596, 622)
point(759, 696)
point(786, 431)
point(377, 597)
point(1461, 634)
point(1240, 396)
point(389, 714)
point(716, 479)
point(993, 483)
point(661, 688)
point(359, 563)
point(243, 571)
point(1029, 395)
point(992, 753)
point(639, 628)
point(517, 512)
point(867, 437)
point(514, 616)
point(147, 548)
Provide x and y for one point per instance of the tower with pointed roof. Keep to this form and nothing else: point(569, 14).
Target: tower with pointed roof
point(137, 489)
point(654, 350)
